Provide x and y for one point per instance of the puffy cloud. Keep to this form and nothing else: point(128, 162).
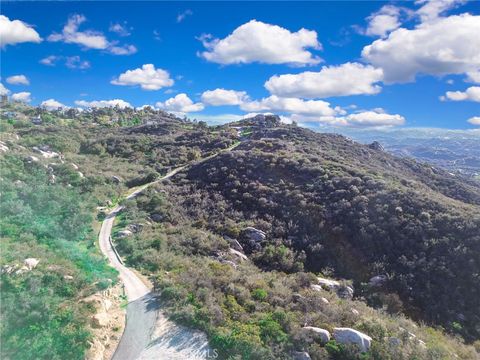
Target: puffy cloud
point(291, 105)
point(447, 46)
point(3, 90)
point(18, 80)
point(471, 94)
point(474, 120)
point(147, 77)
point(432, 9)
point(373, 118)
point(256, 41)
point(89, 38)
point(49, 60)
point(341, 80)
point(15, 31)
point(183, 15)
point(122, 50)
point(474, 76)
point(72, 62)
point(220, 97)
point(122, 30)
point(383, 21)
point(122, 104)
point(70, 34)
point(22, 97)
point(180, 103)
point(52, 104)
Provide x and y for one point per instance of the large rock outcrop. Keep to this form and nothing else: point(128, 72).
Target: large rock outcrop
point(352, 336)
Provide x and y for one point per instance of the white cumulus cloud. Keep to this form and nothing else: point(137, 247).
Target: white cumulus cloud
point(72, 62)
point(383, 21)
point(147, 77)
point(70, 34)
point(89, 39)
point(23, 96)
point(475, 120)
point(15, 31)
point(18, 80)
point(471, 94)
point(52, 104)
point(180, 103)
point(122, 49)
point(183, 15)
point(3, 90)
point(122, 30)
point(448, 45)
point(342, 80)
point(432, 9)
point(291, 105)
point(220, 97)
point(122, 104)
point(256, 41)
point(474, 76)
point(374, 118)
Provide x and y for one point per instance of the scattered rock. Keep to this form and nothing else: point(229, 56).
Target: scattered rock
point(107, 304)
point(80, 174)
point(124, 233)
point(351, 336)
point(31, 159)
point(68, 277)
point(298, 297)
point(116, 179)
point(96, 351)
point(228, 262)
point(238, 254)
point(100, 320)
point(234, 244)
point(3, 147)
point(9, 269)
point(31, 263)
point(329, 284)
point(378, 280)
point(22, 270)
point(45, 151)
point(325, 300)
point(355, 311)
point(394, 341)
point(75, 166)
point(345, 292)
point(252, 238)
point(376, 146)
point(301, 355)
point(254, 234)
point(157, 217)
point(317, 334)
point(136, 228)
point(316, 287)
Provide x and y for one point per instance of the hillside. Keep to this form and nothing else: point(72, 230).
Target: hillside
point(243, 245)
point(357, 210)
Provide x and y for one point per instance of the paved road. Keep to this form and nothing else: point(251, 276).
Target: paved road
point(143, 316)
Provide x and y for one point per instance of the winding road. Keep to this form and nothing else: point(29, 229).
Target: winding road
point(148, 332)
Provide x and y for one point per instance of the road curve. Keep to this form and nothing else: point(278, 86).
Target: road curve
point(144, 320)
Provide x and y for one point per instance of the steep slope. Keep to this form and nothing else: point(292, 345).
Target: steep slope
point(357, 210)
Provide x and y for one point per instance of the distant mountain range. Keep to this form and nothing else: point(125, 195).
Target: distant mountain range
point(453, 150)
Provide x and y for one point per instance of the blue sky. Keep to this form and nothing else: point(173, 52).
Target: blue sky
point(354, 64)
